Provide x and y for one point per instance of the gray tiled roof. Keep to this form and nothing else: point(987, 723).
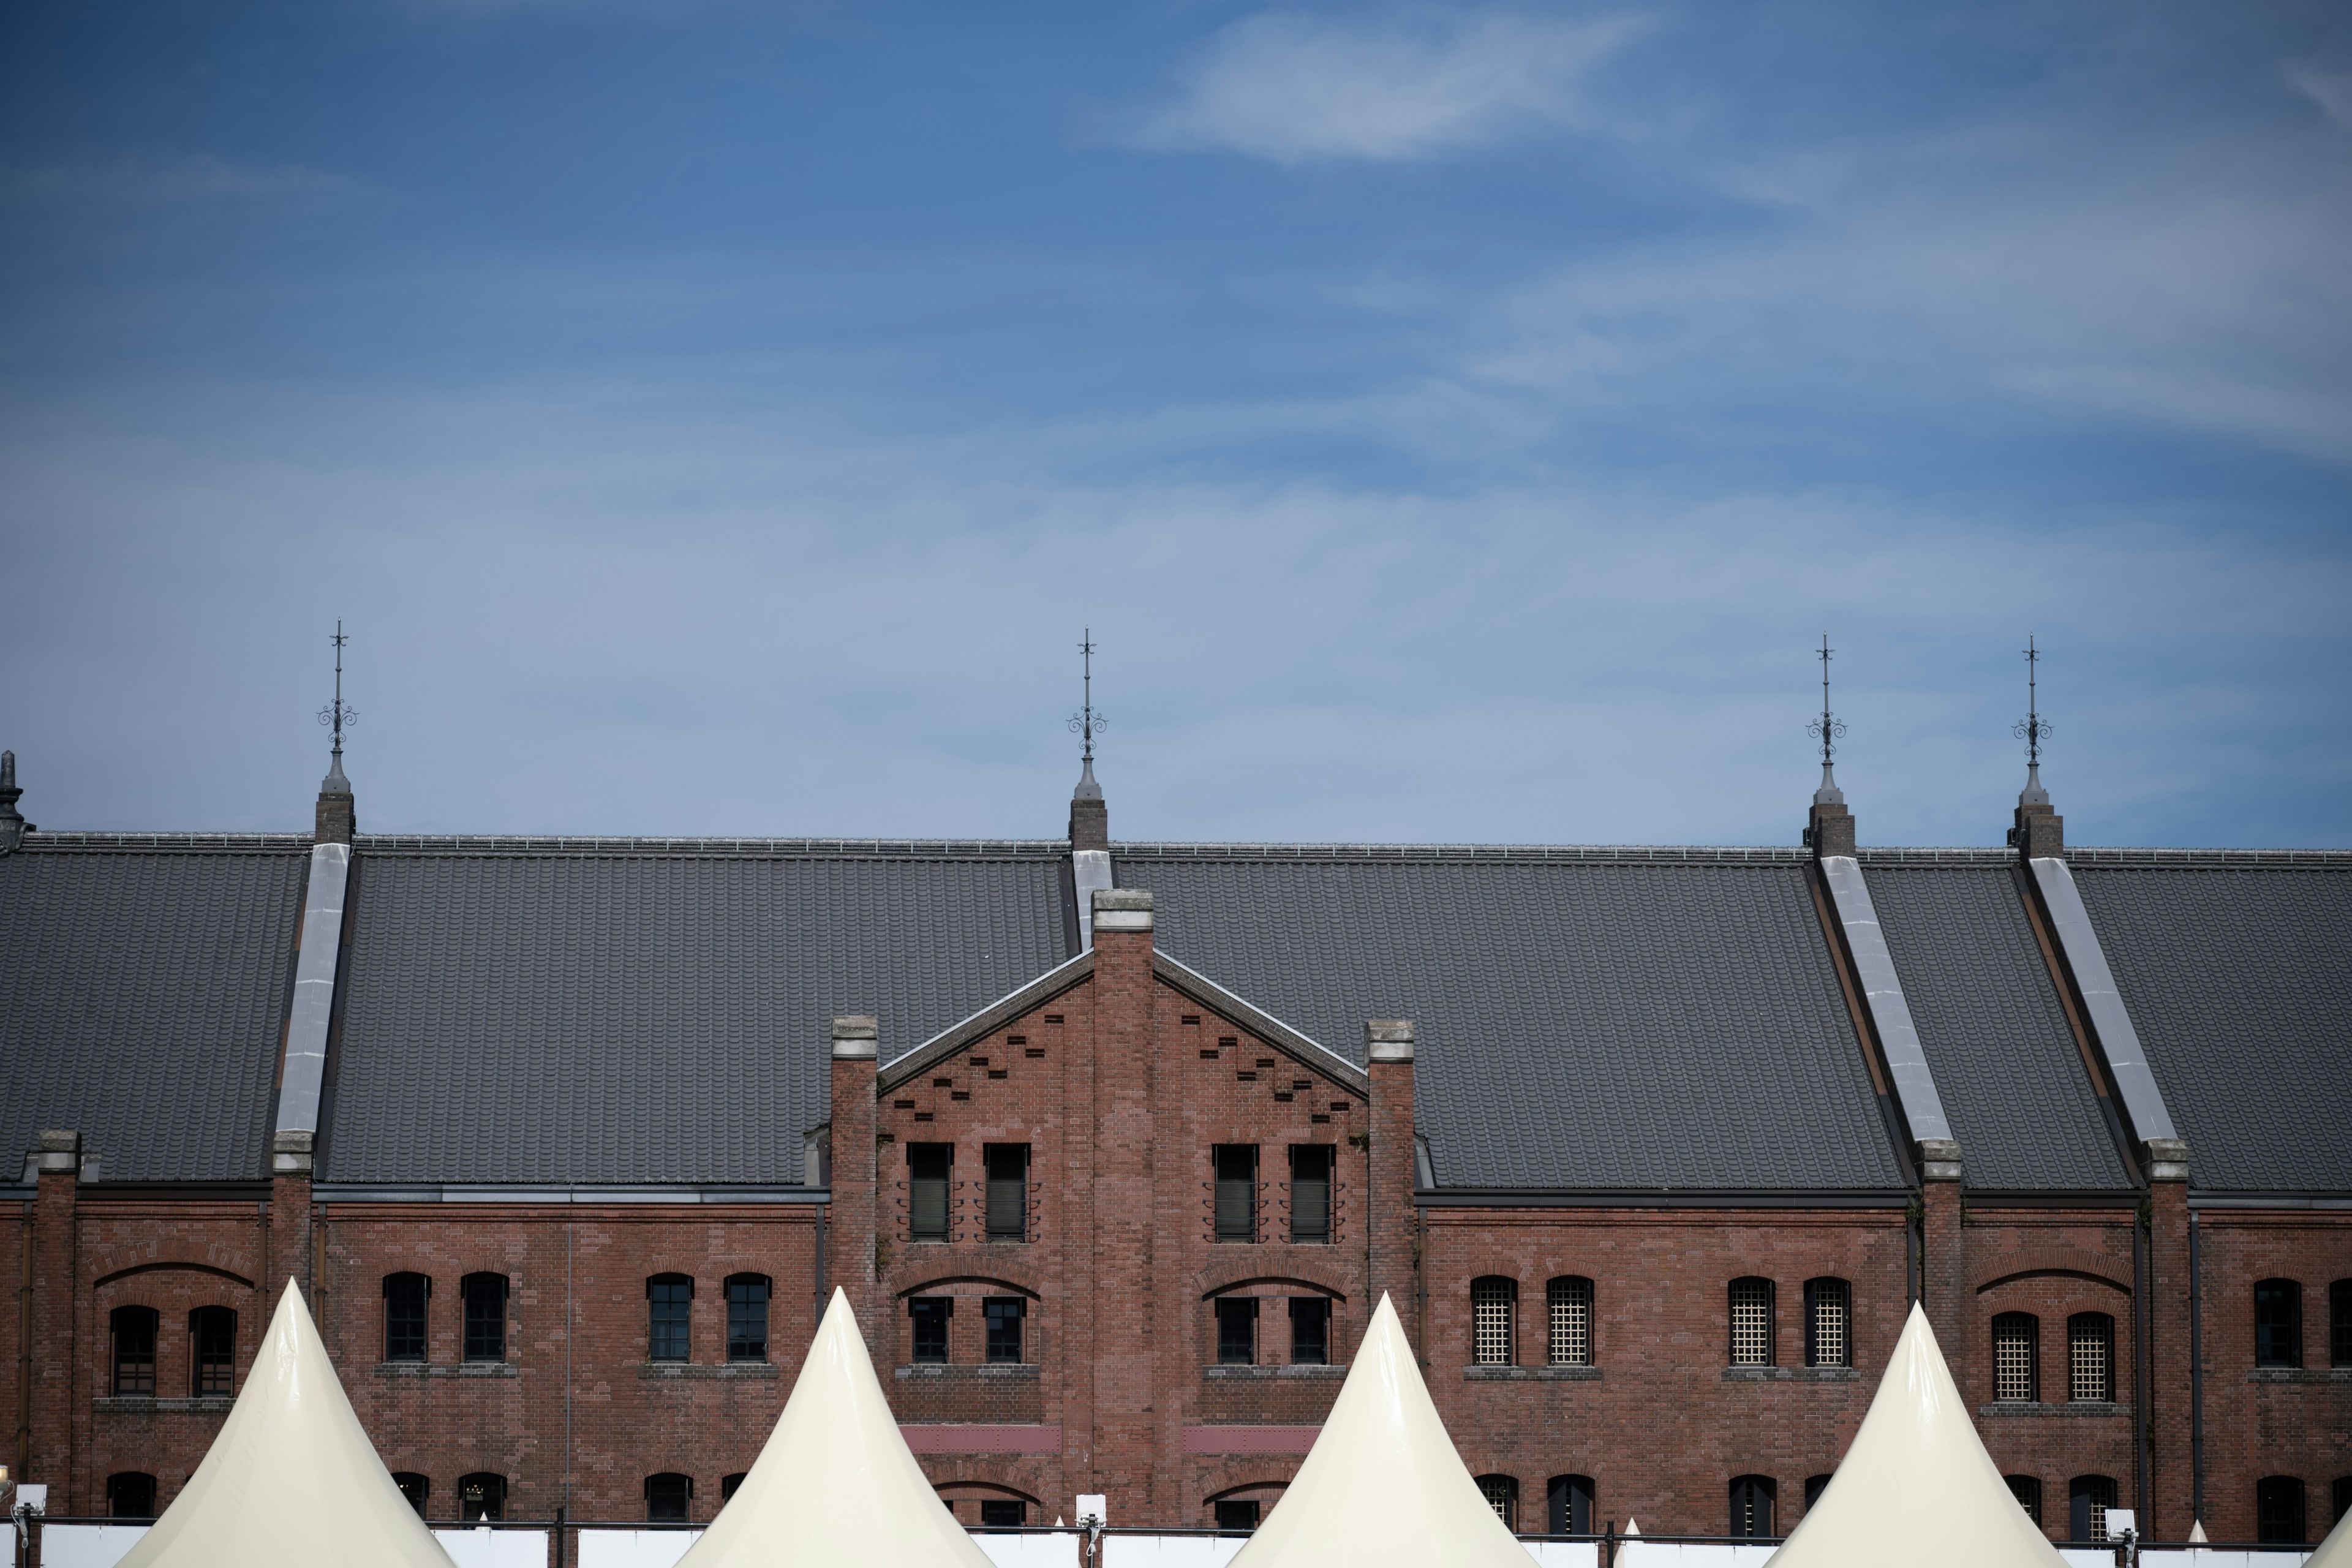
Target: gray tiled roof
point(142, 989)
point(2239, 980)
point(2012, 1077)
point(651, 1011)
point(1584, 1020)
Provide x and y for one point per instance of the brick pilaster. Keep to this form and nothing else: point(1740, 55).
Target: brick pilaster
point(59, 1409)
point(1944, 1262)
point(1389, 1171)
point(2171, 1457)
point(289, 1217)
point(854, 1234)
point(1123, 1351)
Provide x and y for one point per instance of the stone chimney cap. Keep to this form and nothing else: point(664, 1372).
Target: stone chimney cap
point(2166, 1159)
point(1123, 909)
point(1939, 1159)
point(857, 1036)
point(1388, 1039)
point(56, 1150)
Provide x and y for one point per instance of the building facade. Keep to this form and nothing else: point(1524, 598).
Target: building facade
point(1115, 1147)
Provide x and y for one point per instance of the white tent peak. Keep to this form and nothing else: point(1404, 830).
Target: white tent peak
point(2197, 1533)
point(2336, 1552)
point(1632, 1528)
point(1382, 1488)
point(289, 1469)
point(835, 1482)
point(1917, 1486)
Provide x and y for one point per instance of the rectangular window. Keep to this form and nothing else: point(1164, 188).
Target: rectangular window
point(2278, 1323)
point(1008, 1190)
point(2016, 1375)
point(403, 1316)
point(211, 1334)
point(668, 1497)
point(747, 1317)
point(1491, 1303)
point(2088, 1498)
point(1236, 1168)
point(128, 1495)
point(2339, 1323)
point(928, 1168)
point(1310, 1330)
point(134, 1349)
point(481, 1496)
point(415, 1488)
point(931, 1314)
point(2090, 1357)
point(2278, 1510)
point(669, 1307)
point(1751, 1322)
point(1826, 1313)
point(1004, 1315)
point(485, 1297)
point(1002, 1513)
point(1569, 1339)
point(1236, 1516)
point(1311, 1191)
point(1502, 1495)
point(1752, 1498)
point(1236, 1331)
point(1569, 1505)
point(2028, 1493)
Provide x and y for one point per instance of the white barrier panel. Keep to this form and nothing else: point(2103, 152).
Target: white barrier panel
point(1636, 1552)
point(1030, 1550)
point(635, 1548)
point(1170, 1550)
point(84, 1545)
point(479, 1548)
point(1565, 1554)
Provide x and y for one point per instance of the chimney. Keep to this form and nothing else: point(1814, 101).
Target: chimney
point(13, 826)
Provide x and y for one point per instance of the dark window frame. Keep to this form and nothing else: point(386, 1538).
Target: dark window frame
point(416, 1487)
point(2278, 1322)
point(2087, 1499)
point(2105, 1324)
point(1236, 1515)
point(1500, 1290)
point(1571, 1289)
point(670, 1318)
point(1509, 1486)
point(2030, 1326)
point(930, 1320)
point(1016, 1508)
point(1827, 1290)
point(1569, 1505)
point(1234, 1172)
point(1310, 1330)
point(481, 1494)
point(2339, 1323)
point(135, 1334)
point(2282, 1510)
point(1754, 1503)
point(407, 1323)
point(1236, 1319)
point(931, 1177)
point(2027, 1490)
point(729, 1485)
point(669, 1498)
point(212, 1352)
point(997, 1312)
point(748, 1299)
point(1314, 1170)
point(131, 1494)
point(1006, 1168)
point(478, 1298)
point(1769, 1290)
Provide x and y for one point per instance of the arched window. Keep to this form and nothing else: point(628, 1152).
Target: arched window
point(1493, 1304)
point(747, 1317)
point(2278, 1510)
point(2091, 1357)
point(415, 1488)
point(131, 1494)
point(482, 1495)
point(2027, 1490)
point(1502, 1495)
point(1568, 1302)
point(2016, 1358)
point(669, 1305)
point(1235, 1515)
point(134, 1349)
point(405, 1297)
point(669, 1498)
point(1829, 1340)
point(212, 1345)
point(2339, 1323)
point(728, 1486)
point(1814, 1487)
point(1751, 1322)
point(2088, 1498)
point(485, 1296)
point(2278, 1323)
point(1568, 1505)
point(1751, 1507)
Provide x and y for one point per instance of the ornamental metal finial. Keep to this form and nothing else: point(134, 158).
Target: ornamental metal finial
point(1826, 730)
point(1085, 723)
point(2034, 729)
point(338, 714)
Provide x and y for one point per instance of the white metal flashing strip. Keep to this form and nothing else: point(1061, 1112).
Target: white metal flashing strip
point(2111, 1024)
point(1915, 1085)
point(1090, 869)
point(305, 1072)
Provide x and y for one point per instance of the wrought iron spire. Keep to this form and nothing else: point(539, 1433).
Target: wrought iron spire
point(1826, 730)
point(1086, 722)
point(2034, 729)
point(338, 714)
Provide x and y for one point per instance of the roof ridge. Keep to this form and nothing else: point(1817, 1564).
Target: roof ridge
point(712, 847)
point(82, 839)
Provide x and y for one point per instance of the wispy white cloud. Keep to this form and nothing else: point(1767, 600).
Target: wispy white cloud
point(2331, 90)
point(1296, 88)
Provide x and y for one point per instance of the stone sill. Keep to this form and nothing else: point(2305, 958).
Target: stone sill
point(671, 1371)
point(1791, 1375)
point(1530, 1375)
point(2300, 1374)
point(2071, 1407)
point(958, 1372)
point(1312, 1370)
point(145, 1404)
point(448, 1369)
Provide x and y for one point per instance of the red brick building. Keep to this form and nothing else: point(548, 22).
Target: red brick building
point(1115, 1147)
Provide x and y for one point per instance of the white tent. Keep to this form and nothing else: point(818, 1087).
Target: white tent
point(2336, 1552)
point(836, 1483)
point(1916, 1487)
point(291, 1482)
point(1383, 1488)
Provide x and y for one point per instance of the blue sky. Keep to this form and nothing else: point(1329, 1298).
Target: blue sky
point(1456, 424)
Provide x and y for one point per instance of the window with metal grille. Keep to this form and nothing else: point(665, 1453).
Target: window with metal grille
point(405, 1296)
point(2278, 1510)
point(669, 1498)
point(1751, 1322)
point(2091, 1357)
point(670, 1315)
point(482, 1495)
point(1814, 1487)
point(929, 1166)
point(1568, 1302)
point(2088, 1498)
point(747, 1316)
point(1502, 1495)
point(1751, 1507)
point(1236, 1331)
point(2278, 1323)
point(2016, 1369)
point(2027, 1490)
point(1311, 1191)
point(1568, 1505)
point(129, 1494)
point(728, 1486)
point(2339, 1323)
point(212, 1345)
point(1002, 1513)
point(1310, 1330)
point(1235, 1516)
point(930, 1315)
point(1493, 1302)
point(1004, 1316)
point(485, 1297)
point(1236, 1178)
point(415, 1488)
point(1008, 1190)
point(134, 1349)
point(1827, 1313)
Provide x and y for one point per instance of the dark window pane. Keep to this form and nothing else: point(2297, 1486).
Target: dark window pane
point(2028, 1493)
point(1568, 1505)
point(485, 1297)
point(1236, 1516)
point(667, 1496)
point(1827, 1336)
point(1310, 1192)
point(1751, 1507)
point(2278, 1510)
point(1502, 1495)
point(2339, 1323)
point(2278, 1323)
point(415, 1488)
point(1002, 1513)
point(1236, 1331)
point(1236, 1172)
point(730, 1485)
point(747, 1317)
point(2088, 1498)
point(669, 1307)
point(1004, 1314)
point(405, 1297)
point(928, 1166)
point(1814, 1487)
point(481, 1496)
point(1008, 1194)
point(2342, 1499)
point(134, 1349)
point(212, 1344)
point(131, 1495)
point(1310, 1330)
point(932, 1314)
